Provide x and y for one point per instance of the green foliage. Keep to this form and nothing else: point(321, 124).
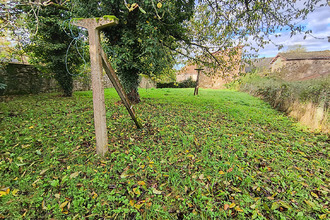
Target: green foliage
point(189, 83)
point(2, 86)
point(48, 47)
point(221, 155)
point(139, 43)
point(278, 91)
point(228, 24)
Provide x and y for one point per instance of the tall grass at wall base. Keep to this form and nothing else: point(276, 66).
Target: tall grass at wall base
point(307, 101)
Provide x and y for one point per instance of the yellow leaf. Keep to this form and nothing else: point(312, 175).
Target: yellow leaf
point(238, 209)
point(31, 127)
point(131, 202)
point(314, 195)
point(137, 191)
point(94, 195)
point(14, 192)
point(324, 216)
point(232, 205)
point(150, 165)
point(142, 166)
point(138, 206)
point(221, 172)
point(3, 193)
point(141, 183)
point(159, 5)
point(63, 205)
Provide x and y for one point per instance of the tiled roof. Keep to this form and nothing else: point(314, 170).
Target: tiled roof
point(313, 55)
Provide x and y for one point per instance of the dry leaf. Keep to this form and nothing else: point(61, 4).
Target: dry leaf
point(137, 191)
point(229, 170)
point(141, 183)
point(232, 205)
point(226, 206)
point(63, 205)
point(74, 175)
point(314, 195)
point(221, 172)
point(157, 192)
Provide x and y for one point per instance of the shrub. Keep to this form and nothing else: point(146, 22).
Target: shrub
point(189, 83)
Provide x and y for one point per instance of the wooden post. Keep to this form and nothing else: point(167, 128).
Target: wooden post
point(197, 81)
point(93, 25)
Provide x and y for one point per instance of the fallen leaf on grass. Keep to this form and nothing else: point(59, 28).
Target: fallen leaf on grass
point(4, 191)
point(43, 171)
point(310, 203)
point(137, 191)
point(232, 205)
point(221, 172)
point(14, 192)
point(74, 175)
point(229, 170)
point(324, 216)
point(63, 204)
point(314, 195)
point(239, 209)
point(226, 206)
point(141, 183)
point(157, 192)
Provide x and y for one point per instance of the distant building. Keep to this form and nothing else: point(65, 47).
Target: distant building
point(209, 78)
point(301, 65)
point(259, 64)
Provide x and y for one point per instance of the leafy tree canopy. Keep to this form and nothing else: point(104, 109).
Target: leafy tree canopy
point(224, 25)
point(140, 43)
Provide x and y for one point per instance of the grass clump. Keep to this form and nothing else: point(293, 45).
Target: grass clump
point(222, 154)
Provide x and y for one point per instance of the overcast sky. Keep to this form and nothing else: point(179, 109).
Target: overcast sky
point(317, 21)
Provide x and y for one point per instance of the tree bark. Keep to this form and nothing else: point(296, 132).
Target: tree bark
point(134, 96)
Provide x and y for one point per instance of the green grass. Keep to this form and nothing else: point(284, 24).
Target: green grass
point(222, 154)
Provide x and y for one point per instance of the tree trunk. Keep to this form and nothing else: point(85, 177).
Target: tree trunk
point(134, 96)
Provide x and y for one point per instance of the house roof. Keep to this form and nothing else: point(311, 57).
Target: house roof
point(313, 55)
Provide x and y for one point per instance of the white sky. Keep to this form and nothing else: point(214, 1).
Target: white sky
point(317, 21)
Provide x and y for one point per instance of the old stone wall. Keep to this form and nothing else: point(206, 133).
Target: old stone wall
point(292, 70)
point(25, 79)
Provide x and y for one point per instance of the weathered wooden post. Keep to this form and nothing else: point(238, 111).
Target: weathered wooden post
point(93, 25)
point(99, 59)
point(197, 81)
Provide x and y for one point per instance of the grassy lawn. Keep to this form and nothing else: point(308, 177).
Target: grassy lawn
point(223, 154)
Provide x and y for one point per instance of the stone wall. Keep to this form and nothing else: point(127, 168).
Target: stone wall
point(292, 70)
point(25, 79)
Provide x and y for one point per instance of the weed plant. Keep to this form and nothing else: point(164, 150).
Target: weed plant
point(277, 91)
point(220, 155)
